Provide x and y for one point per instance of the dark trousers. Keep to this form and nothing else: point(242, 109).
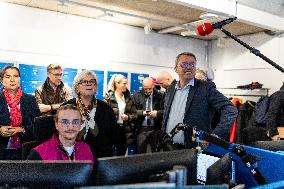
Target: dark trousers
point(142, 142)
point(121, 146)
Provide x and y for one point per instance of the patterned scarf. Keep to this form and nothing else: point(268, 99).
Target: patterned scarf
point(85, 110)
point(88, 113)
point(15, 115)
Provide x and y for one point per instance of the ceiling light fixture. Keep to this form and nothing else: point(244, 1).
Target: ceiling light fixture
point(147, 28)
point(208, 16)
point(188, 33)
point(105, 14)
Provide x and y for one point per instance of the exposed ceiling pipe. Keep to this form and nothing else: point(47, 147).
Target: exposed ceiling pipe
point(152, 20)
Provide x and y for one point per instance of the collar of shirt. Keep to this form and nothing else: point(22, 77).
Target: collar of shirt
point(190, 83)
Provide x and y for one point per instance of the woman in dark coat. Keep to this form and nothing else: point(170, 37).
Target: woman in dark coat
point(99, 128)
point(17, 113)
point(119, 99)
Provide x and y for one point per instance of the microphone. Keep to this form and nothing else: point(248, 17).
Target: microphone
point(207, 28)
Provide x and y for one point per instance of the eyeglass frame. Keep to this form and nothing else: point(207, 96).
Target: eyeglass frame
point(74, 122)
point(187, 65)
point(86, 82)
point(57, 74)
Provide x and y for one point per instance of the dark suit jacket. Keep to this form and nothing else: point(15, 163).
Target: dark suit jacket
point(202, 98)
point(29, 109)
point(140, 99)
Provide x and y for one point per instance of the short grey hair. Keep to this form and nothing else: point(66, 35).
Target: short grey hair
point(79, 77)
point(53, 67)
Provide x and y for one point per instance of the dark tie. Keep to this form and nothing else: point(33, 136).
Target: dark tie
point(148, 119)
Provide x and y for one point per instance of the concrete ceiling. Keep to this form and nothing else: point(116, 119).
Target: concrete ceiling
point(180, 17)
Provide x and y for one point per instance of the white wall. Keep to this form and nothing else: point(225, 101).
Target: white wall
point(234, 65)
point(39, 37)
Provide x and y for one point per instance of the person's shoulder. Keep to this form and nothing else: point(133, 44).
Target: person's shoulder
point(207, 84)
point(279, 92)
point(34, 155)
point(109, 95)
point(158, 93)
point(28, 97)
point(138, 93)
point(127, 94)
point(172, 85)
point(102, 105)
point(71, 101)
point(40, 87)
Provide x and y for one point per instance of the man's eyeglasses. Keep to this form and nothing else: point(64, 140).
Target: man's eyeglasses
point(74, 122)
point(188, 65)
point(57, 74)
point(86, 82)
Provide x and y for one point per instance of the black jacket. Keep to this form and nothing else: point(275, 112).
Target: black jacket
point(275, 113)
point(140, 99)
point(244, 119)
point(130, 111)
point(29, 109)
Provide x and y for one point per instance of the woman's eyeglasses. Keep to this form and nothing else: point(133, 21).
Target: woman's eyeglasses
point(86, 82)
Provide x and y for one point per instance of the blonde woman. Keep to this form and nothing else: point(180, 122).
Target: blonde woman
point(119, 99)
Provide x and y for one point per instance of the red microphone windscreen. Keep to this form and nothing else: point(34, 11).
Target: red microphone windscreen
point(204, 29)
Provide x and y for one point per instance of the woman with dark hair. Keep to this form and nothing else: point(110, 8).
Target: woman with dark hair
point(99, 128)
point(119, 99)
point(17, 113)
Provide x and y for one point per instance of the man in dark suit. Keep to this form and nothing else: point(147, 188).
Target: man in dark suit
point(190, 101)
point(150, 112)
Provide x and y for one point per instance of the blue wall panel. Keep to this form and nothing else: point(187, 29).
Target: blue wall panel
point(32, 72)
point(68, 76)
point(31, 77)
point(100, 80)
point(136, 81)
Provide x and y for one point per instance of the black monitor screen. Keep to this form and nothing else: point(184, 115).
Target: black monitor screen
point(137, 168)
point(45, 174)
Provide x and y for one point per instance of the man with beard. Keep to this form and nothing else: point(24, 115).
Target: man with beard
point(190, 101)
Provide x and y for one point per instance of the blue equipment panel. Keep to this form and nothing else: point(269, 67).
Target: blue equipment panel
point(100, 81)
point(31, 77)
point(32, 72)
point(136, 81)
point(2, 65)
point(68, 76)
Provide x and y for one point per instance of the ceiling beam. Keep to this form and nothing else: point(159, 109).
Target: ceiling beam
point(244, 13)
